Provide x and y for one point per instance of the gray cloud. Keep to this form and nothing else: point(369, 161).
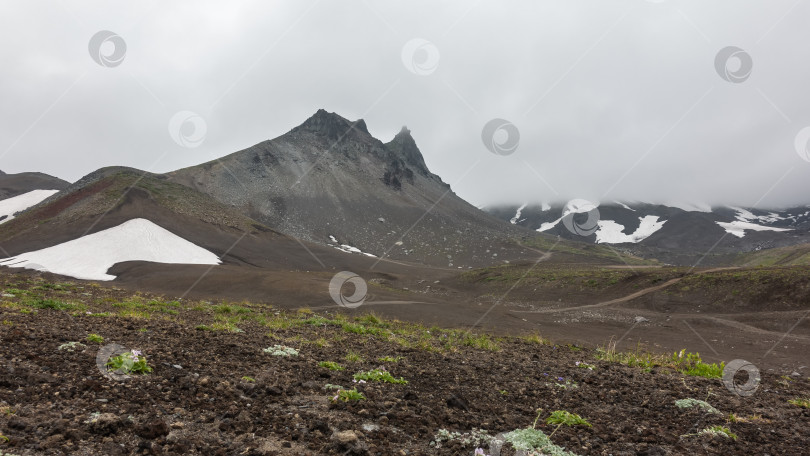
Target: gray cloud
point(613, 100)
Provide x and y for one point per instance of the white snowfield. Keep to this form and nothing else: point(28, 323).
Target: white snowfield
point(738, 228)
point(10, 206)
point(745, 219)
point(610, 232)
point(89, 257)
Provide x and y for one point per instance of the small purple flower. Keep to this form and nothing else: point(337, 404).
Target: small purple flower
point(136, 353)
point(545, 373)
point(577, 363)
point(559, 379)
point(479, 452)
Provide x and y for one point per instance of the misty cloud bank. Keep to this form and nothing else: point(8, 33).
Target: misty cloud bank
point(610, 100)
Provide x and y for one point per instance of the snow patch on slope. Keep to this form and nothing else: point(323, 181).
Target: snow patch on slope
point(624, 206)
point(89, 257)
point(745, 215)
point(575, 206)
point(347, 248)
point(738, 228)
point(516, 218)
point(10, 206)
point(610, 232)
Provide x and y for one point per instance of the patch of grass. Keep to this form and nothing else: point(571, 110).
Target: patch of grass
point(230, 309)
point(99, 314)
point(95, 338)
point(692, 364)
point(319, 342)
point(363, 330)
point(687, 363)
point(248, 379)
point(224, 324)
point(537, 339)
point(353, 357)
point(800, 402)
point(481, 342)
point(390, 359)
point(320, 321)
point(372, 320)
point(132, 313)
point(379, 375)
point(331, 365)
point(39, 303)
point(280, 321)
point(562, 417)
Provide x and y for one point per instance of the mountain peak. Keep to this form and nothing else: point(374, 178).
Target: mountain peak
point(331, 125)
point(405, 146)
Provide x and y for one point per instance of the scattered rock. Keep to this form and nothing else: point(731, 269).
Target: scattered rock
point(105, 424)
point(153, 429)
point(457, 402)
point(345, 437)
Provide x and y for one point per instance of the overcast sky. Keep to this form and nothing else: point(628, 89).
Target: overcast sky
point(612, 99)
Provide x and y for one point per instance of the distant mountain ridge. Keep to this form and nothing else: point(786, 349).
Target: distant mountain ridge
point(17, 184)
point(674, 232)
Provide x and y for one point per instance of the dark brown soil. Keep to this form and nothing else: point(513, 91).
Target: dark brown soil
point(197, 402)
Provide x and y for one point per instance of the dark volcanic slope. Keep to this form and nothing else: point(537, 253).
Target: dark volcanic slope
point(256, 260)
point(17, 184)
point(111, 196)
point(330, 178)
